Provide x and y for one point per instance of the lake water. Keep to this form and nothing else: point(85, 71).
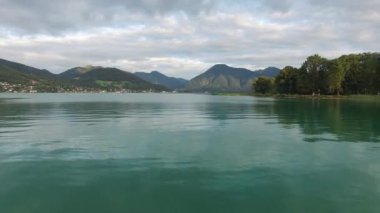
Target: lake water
point(187, 153)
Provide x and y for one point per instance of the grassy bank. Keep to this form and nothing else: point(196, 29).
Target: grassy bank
point(363, 98)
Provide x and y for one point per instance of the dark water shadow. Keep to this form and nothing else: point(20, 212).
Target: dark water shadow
point(349, 121)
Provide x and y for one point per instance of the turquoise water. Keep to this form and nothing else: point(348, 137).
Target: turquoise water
point(187, 153)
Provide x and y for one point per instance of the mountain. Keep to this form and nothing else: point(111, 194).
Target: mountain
point(77, 71)
point(268, 72)
point(24, 68)
point(22, 78)
point(219, 78)
point(222, 78)
point(156, 77)
point(104, 77)
point(13, 72)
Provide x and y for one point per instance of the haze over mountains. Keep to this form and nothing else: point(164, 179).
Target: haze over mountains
point(156, 77)
point(219, 78)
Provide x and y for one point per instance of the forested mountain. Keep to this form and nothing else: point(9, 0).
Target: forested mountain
point(22, 78)
point(13, 72)
point(77, 71)
point(156, 77)
point(222, 78)
point(109, 78)
point(14, 66)
point(19, 77)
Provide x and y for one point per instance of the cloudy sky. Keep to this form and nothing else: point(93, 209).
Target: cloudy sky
point(184, 37)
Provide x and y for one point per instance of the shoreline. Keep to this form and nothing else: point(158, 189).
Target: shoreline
point(371, 97)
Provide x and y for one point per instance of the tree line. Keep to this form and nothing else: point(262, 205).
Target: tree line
point(348, 74)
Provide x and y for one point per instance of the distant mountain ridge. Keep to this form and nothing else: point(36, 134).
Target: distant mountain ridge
point(90, 78)
point(16, 77)
point(77, 71)
point(219, 78)
point(109, 77)
point(223, 78)
point(5, 64)
point(14, 72)
point(156, 77)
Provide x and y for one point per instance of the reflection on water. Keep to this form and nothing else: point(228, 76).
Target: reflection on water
point(349, 121)
point(187, 153)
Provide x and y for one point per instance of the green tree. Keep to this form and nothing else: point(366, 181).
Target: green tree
point(316, 68)
point(361, 71)
point(286, 81)
point(304, 83)
point(377, 75)
point(351, 66)
point(263, 85)
point(348, 74)
point(369, 69)
point(335, 76)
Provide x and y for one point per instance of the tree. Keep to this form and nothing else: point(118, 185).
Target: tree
point(335, 76)
point(377, 76)
point(361, 73)
point(350, 74)
point(286, 81)
point(351, 66)
point(263, 85)
point(316, 67)
point(369, 67)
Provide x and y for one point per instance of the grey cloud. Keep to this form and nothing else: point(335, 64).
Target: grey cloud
point(183, 38)
point(41, 16)
point(282, 6)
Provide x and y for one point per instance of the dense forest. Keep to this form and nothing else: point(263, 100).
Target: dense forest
point(348, 74)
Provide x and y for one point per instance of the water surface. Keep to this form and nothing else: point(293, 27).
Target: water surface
point(187, 153)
